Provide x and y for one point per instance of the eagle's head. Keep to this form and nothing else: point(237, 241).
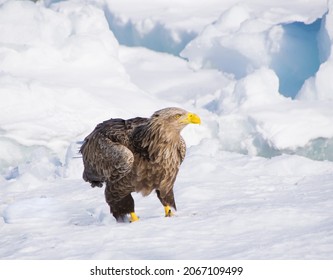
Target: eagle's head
point(175, 118)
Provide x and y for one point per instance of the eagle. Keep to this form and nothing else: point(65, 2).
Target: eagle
point(137, 155)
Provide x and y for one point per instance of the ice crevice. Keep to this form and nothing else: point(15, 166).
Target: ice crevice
point(148, 33)
point(303, 47)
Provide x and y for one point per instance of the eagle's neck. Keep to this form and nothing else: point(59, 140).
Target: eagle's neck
point(159, 140)
point(163, 133)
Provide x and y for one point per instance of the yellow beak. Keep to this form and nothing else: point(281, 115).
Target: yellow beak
point(193, 118)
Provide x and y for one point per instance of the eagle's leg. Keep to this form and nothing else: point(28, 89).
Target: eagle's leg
point(168, 212)
point(134, 217)
point(167, 201)
point(121, 208)
point(120, 205)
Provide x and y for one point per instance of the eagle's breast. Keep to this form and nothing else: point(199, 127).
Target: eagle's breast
point(158, 167)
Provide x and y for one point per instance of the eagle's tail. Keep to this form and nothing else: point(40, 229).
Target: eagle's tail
point(94, 181)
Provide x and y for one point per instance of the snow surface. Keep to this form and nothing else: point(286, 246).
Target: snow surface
point(257, 181)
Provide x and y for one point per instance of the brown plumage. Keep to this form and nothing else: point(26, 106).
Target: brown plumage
point(139, 154)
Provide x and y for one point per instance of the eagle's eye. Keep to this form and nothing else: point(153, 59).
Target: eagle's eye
point(177, 116)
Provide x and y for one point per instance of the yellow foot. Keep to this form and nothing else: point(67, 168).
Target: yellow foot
point(133, 217)
point(168, 212)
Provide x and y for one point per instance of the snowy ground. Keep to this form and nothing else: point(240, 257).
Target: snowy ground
point(257, 181)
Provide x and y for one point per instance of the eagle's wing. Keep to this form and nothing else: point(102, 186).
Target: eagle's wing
point(106, 154)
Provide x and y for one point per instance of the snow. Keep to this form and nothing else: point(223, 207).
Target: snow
point(257, 179)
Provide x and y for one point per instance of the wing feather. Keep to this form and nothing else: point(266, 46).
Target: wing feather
point(106, 153)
